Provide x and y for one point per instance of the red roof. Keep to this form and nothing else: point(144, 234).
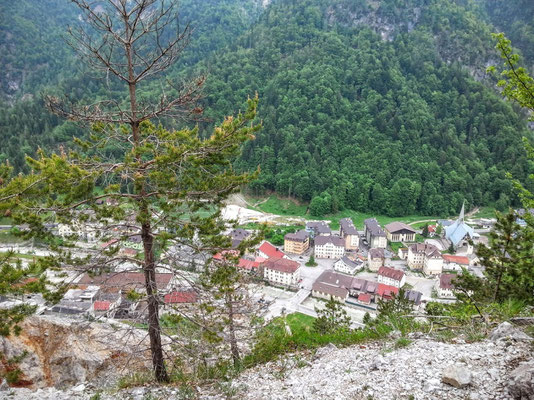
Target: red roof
point(107, 244)
point(386, 291)
point(101, 305)
point(364, 298)
point(431, 228)
point(221, 255)
point(249, 264)
point(391, 273)
point(186, 296)
point(282, 265)
point(271, 251)
point(456, 259)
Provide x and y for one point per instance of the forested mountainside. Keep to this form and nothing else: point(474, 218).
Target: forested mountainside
point(376, 106)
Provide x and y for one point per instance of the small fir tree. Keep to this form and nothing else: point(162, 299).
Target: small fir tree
point(332, 319)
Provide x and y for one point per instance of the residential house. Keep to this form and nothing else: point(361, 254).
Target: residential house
point(325, 291)
point(425, 257)
point(333, 284)
point(374, 234)
point(386, 292)
point(348, 231)
point(403, 253)
point(134, 242)
point(455, 263)
point(375, 259)
point(329, 247)
point(179, 299)
point(391, 276)
point(432, 230)
point(318, 228)
point(400, 232)
point(281, 271)
point(250, 265)
point(414, 296)
point(77, 301)
point(445, 286)
point(125, 281)
point(297, 243)
point(238, 235)
point(364, 298)
point(267, 250)
point(348, 266)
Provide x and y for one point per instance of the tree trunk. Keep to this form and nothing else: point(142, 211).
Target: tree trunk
point(231, 326)
point(154, 331)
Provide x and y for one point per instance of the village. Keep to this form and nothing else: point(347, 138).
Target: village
point(356, 267)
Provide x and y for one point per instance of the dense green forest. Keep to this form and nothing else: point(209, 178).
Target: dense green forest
point(377, 106)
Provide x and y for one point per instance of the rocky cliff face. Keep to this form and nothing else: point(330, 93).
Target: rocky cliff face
point(421, 368)
point(61, 353)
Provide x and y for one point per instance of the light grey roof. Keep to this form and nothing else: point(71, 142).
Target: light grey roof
point(347, 226)
point(318, 226)
point(351, 263)
point(457, 231)
point(335, 279)
point(301, 235)
point(373, 227)
point(330, 289)
point(399, 226)
point(335, 240)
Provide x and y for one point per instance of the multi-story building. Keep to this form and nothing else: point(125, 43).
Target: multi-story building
point(267, 250)
point(318, 228)
point(329, 247)
point(400, 232)
point(391, 276)
point(348, 231)
point(281, 271)
point(374, 234)
point(297, 243)
point(376, 259)
point(348, 266)
point(425, 257)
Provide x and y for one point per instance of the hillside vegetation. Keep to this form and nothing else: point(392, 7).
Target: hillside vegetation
point(371, 106)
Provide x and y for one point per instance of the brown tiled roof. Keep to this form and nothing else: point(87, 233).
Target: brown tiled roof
point(429, 249)
point(391, 273)
point(282, 265)
point(335, 278)
point(399, 226)
point(330, 289)
point(124, 279)
point(445, 281)
point(376, 253)
point(335, 240)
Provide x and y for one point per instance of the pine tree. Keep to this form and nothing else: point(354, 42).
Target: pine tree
point(425, 231)
point(164, 186)
point(332, 319)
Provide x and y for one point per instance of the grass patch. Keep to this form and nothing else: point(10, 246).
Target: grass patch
point(402, 342)
point(395, 246)
point(274, 340)
point(7, 237)
point(287, 207)
point(485, 212)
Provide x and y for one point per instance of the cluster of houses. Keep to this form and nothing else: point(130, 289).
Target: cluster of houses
point(121, 295)
point(353, 290)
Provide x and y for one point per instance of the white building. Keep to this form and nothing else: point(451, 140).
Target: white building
point(348, 266)
point(445, 287)
point(376, 259)
point(391, 276)
point(281, 271)
point(455, 263)
point(425, 257)
point(329, 247)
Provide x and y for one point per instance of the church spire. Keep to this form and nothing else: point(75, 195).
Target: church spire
point(462, 212)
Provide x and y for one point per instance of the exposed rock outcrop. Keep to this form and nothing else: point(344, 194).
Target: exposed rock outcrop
point(60, 352)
